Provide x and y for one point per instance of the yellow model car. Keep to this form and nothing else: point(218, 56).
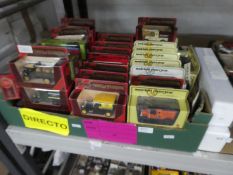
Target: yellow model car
point(101, 104)
point(164, 172)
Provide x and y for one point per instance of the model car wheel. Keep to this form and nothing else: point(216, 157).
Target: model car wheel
point(108, 114)
point(46, 81)
point(84, 111)
point(26, 78)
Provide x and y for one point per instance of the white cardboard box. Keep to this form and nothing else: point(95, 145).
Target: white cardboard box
point(215, 139)
point(215, 82)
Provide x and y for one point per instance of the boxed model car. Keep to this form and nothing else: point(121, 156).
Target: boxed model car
point(74, 35)
point(74, 30)
point(155, 63)
point(52, 48)
point(123, 68)
point(111, 50)
point(154, 106)
point(103, 75)
point(158, 76)
point(99, 99)
point(156, 29)
point(53, 100)
point(79, 22)
point(113, 37)
point(41, 72)
point(113, 44)
point(108, 58)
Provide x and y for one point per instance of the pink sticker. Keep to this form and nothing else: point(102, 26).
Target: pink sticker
point(92, 128)
point(109, 131)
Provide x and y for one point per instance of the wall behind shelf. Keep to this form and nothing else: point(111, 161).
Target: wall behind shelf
point(13, 30)
point(194, 16)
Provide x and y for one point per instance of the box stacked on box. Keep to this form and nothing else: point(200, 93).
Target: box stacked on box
point(102, 86)
point(216, 83)
point(156, 29)
point(160, 76)
point(44, 78)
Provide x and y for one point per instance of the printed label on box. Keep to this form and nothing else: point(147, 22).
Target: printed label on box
point(146, 130)
point(158, 71)
point(39, 120)
point(76, 125)
point(168, 136)
point(115, 132)
point(24, 49)
point(156, 44)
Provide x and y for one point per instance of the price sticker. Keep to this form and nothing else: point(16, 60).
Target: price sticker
point(24, 49)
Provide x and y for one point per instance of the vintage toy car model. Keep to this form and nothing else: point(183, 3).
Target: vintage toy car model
point(99, 99)
point(38, 70)
point(101, 104)
point(157, 110)
point(52, 100)
point(46, 97)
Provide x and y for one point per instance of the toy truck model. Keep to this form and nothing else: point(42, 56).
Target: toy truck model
point(46, 97)
point(157, 110)
point(38, 71)
point(158, 114)
point(101, 104)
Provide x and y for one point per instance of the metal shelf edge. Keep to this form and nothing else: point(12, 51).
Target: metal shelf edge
point(201, 162)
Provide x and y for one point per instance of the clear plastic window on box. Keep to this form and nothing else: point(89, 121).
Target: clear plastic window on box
point(157, 110)
point(44, 96)
point(37, 69)
point(98, 103)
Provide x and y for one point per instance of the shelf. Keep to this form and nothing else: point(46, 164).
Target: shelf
point(201, 162)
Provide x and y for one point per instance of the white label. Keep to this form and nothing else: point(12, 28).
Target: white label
point(70, 37)
point(146, 130)
point(95, 144)
point(76, 126)
point(158, 71)
point(168, 136)
point(24, 49)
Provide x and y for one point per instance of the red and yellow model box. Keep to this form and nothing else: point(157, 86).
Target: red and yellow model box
point(100, 99)
point(154, 106)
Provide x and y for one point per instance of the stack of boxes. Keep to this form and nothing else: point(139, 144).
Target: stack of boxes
point(42, 76)
point(108, 58)
point(101, 89)
point(216, 83)
point(159, 76)
point(100, 67)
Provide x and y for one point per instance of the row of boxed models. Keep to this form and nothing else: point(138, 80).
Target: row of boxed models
point(158, 76)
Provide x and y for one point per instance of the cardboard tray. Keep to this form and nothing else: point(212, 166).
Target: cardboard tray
point(186, 139)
